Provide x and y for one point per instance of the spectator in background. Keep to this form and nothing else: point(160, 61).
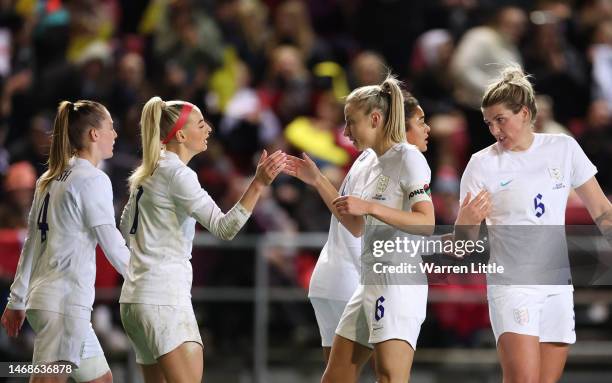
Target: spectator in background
point(288, 88)
point(130, 86)
point(19, 184)
point(255, 36)
point(545, 121)
point(433, 86)
point(368, 68)
point(292, 26)
point(433, 83)
point(586, 16)
point(188, 45)
point(94, 69)
point(557, 67)
point(477, 60)
point(247, 124)
point(601, 56)
point(91, 23)
point(318, 136)
point(34, 147)
point(597, 141)
point(188, 36)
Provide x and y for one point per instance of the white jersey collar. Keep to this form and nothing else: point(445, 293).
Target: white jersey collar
point(80, 161)
point(170, 156)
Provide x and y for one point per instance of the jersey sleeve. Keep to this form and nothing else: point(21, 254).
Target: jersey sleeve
point(127, 217)
point(582, 168)
point(357, 171)
point(96, 200)
point(187, 194)
point(19, 288)
point(415, 177)
point(114, 247)
point(196, 202)
point(471, 180)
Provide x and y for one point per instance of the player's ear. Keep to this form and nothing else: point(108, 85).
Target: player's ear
point(93, 134)
point(375, 118)
point(181, 136)
point(526, 114)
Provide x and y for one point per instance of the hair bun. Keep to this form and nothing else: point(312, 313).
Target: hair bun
point(513, 75)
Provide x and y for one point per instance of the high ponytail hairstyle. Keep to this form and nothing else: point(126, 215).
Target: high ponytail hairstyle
point(69, 128)
point(386, 97)
point(514, 90)
point(157, 119)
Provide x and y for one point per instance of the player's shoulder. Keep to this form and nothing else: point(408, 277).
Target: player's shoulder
point(366, 155)
point(559, 139)
point(365, 159)
point(171, 167)
point(179, 172)
point(407, 150)
point(413, 162)
point(490, 151)
point(86, 174)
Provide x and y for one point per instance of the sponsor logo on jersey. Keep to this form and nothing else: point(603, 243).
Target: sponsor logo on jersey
point(424, 190)
point(502, 183)
point(521, 316)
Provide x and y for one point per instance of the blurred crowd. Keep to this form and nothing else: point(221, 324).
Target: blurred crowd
point(271, 74)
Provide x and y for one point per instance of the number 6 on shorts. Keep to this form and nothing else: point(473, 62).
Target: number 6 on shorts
point(380, 310)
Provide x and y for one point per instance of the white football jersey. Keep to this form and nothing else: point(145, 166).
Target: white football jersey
point(399, 180)
point(336, 274)
point(530, 187)
point(158, 224)
point(402, 178)
point(57, 267)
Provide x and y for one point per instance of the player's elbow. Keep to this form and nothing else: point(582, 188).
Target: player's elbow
point(227, 235)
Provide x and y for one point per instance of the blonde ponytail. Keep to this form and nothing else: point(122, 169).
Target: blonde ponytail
point(151, 145)
point(60, 150)
point(395, 125)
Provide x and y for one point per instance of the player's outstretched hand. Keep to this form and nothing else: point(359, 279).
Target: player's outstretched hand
point(303, 169)
point(270, 166)
point(12, 320)
point(351, 205)
point(472, 212)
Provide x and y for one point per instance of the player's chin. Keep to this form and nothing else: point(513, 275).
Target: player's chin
point(507, 144)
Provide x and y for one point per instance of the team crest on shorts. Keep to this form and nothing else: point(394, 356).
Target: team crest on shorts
point(381, 186)
point(557, 176)
point(521, 316)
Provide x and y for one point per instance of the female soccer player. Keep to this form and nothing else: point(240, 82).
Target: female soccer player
point(336, 274)
point(398, 183)
point(72, 211)
point(159, 224)
point(529, 177)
